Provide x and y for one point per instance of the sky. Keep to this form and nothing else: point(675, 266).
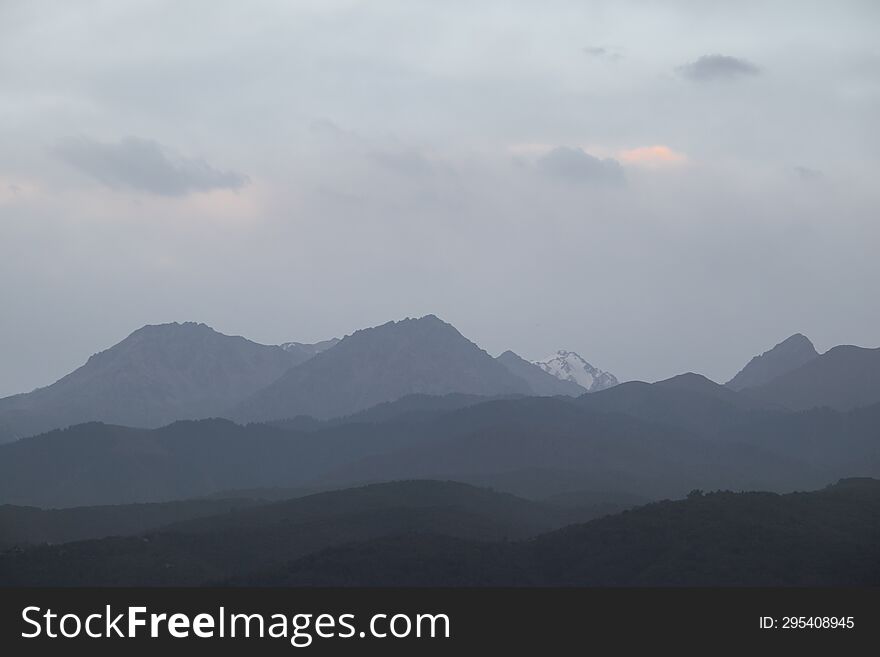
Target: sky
point(661, 187)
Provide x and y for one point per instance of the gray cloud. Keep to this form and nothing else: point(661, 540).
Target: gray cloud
point(806, 173)
point(145, 165)
point(603, 52)
point(407, 161)
point(328, 129)
point(576, 165)
point(717, 67)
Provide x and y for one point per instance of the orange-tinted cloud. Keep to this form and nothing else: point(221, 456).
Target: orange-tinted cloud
point(657, 155)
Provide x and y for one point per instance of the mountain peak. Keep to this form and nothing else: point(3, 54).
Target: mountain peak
point(571, 366)
point(411, 324)
point(158, 374)
point(796, 341)
point(689, 381)
point(175, 326)
point(173, 337)
point(423, 355)
point(541, 382)
point(843, 378)
point(428, 321)
point(788, 355)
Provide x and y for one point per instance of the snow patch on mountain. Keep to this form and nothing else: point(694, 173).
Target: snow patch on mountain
point(310, 349)
point(570, 366)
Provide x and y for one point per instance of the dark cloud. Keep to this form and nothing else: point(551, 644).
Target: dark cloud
point(717, 67)
point(603, 52)
point(576, 165)
point(806, 173)
point(145, 165)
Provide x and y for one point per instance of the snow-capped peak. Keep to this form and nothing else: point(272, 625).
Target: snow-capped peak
point(569, 366)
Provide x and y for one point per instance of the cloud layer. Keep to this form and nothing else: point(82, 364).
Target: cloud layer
point(449, 157)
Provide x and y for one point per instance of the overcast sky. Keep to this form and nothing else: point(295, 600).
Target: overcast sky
point(661, 187)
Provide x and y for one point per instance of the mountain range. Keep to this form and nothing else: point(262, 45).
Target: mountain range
point(406, 454)
point(827, 537)
point(169, 372)
point(258, 536)
point(164, 373)
point(442, 533)
point(608, 441)
point(416, 399)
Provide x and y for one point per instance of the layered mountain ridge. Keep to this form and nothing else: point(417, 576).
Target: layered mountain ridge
point(169, 372)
